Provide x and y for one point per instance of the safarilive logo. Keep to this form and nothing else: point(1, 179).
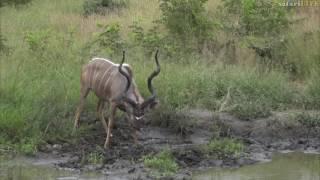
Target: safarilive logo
point(301, 3)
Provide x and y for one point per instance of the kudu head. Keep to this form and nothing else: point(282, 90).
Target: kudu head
point(139, 109)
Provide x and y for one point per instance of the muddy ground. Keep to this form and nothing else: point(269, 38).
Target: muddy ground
point(279, 132)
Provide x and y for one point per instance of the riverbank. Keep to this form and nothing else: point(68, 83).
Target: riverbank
point(284, 131)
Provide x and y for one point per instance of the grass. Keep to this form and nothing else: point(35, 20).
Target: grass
point(162, 163)
point(251, 94)
point(309, 120)
point(313, 91)
point(94, 157)
point(39, 78)
point(224, 148)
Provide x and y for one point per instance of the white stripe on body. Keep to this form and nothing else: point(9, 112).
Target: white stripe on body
point(96, 76)
point(91, 76)
point(107, 82)
point(100, 83)
point(92, 73)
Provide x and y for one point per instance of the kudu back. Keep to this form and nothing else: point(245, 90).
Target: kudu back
point(114, 85)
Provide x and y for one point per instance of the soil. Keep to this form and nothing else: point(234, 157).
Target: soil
point(124, 160)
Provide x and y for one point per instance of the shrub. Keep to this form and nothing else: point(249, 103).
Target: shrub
point(262, 18)
point(29, 146)
point(37, 40)
point(148, 40)
point(101, 6)
point(262, 25)
point(302, 55)
point(14, 2)
point(109, 40)
point(188, 25)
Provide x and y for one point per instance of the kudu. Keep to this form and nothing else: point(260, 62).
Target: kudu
point(114, 84)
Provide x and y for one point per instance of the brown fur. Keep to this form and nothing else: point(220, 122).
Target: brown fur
point(103, 78)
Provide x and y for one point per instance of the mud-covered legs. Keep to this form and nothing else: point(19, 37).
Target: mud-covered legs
point(131, 120)
point(113, 110)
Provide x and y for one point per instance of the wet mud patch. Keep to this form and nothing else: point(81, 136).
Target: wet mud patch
point(124, 160)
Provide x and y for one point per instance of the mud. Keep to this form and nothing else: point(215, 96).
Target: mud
point(124, 160)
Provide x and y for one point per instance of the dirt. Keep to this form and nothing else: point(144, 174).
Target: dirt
point(124, 160)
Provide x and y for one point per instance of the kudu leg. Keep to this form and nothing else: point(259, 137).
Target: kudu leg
point(100, 102)
point(133, 129)
point(83, 94)
point(113, 110)
point(100, 108)
point(134, 135)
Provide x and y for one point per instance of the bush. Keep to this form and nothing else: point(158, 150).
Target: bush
point(38, 40)
point(109, 40)
point(262, 25)
point(29, 146)
point(188, 24)
point(148, 40)
point(101, 6)
point(14, 2)
point(302, 55)
point(263, 18)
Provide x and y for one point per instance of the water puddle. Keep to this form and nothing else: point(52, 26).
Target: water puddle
point(291, 166)
point(28, 169)
point(288, 166)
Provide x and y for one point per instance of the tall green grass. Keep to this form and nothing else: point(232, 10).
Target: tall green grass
point(39, 82)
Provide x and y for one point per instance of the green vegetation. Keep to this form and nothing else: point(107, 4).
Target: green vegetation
point(224, 148)
point(208, 59)
point(163, 163)
point(3, 47)
point(311, 121)
point(312, 91)
point(187, 25)
point(102, 6)
point(95, 157)
point(15, 3)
